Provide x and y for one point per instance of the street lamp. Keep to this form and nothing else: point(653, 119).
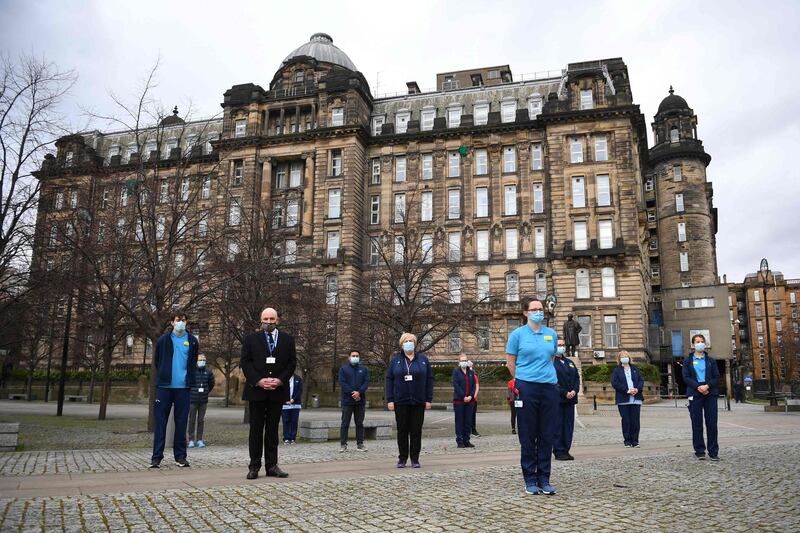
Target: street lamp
point(764, 268)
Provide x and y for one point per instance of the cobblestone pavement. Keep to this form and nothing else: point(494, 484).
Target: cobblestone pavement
point(754, 488)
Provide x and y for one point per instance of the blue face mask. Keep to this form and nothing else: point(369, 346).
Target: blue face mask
point(561, 350)
point(463, 364)
point(624, 360)
point(536, 316)
point(699, 346)
point(354, 360)
point(180, 326)
point(201, 364)
point(408, 346)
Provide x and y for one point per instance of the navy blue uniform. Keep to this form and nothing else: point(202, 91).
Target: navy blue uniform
point(568, 380)
point(630, 407)
point(290, 412)
point(700, 405)
point(353, 378)
point(409, 395)
point(464, 384)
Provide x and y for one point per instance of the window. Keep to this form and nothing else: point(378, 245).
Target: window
point(674, 135)
point(427, 119)
point(483, 334)
point(234, 213)
point(582, 283)
point(453, 117)
point(185, 190)
point(205, 188)
point(334, 203)
point(454, 246)
point(241, 128)
point(606, 234)
point(233, 250)
point(509, 159)
point(375, 179)
point(576, 150)
point(610, 331)
point(399, 207)
point(238, 172)
point(512, 243)
point(600, 148)
point(296, 173)
point(336, 162)
point(426, 214)
point(331, 289)
point(337, 116)
point(655, 269)
point(333, 245)
point(280, 176)
point(578, 192)
point(510, 199)
point(538, 198)
point(426, 291)
point(757, 310)
point(374, 250)
point(587, 99)
point(684, 261)
point(539, 250)
point(426, 246)
point(453, 204)
point(150, 148)
point(792, 298)
point(374, 209)
point(511, 325)
point(541, 285)
point(299, 76)
point(681, 231)
point(481, 202)
point(482, 287)
point(756, 295)
point(202, 226)
point(454, 342)
point(53, 235)
point(534, 106)
point(123, 196)
point(603, 190)
point(648, 185)
point(778, 325)
point(427, 166)
point(211, 137)
point(161, 225)
point(512, 287)
point(581, 242)
point(536, 156)
point(169, 147)
point(453, 164)
point(759, 326)
point(585, 336)
point(481, 162)
point(679, 203)
point(677, 175)
point(292, 212)
point(609, 288)
point(480, 114)
point(401, 121)
point(377, 125)
point(400, 168)
point(68, 159)
point(106, 198)
point(508, 110)
point(482, 244)
point(59, 201)
point(760, 341)
point(178, 261)
point(651, 216)
point(454, 289)
point(777, 309)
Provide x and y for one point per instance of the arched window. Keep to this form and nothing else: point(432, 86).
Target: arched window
point(582, 283)
point(512, 287)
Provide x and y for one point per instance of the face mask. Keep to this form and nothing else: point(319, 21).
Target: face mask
point(354, 360)
point(463, 364)
point(625, 360)
point(269, 328)
point(700, 346)
point(180, 325)
point(408, 346)
point(536, 316)
point(561, 350)
point(201, 364)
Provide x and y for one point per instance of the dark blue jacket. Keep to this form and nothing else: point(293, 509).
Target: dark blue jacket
point(203, 379)
point(353, 378)
point(690, 376)
point(460, 385)
point(163, 360)
point(297, 393)
point(568, 379)
point(414, 392)
point(620, 384)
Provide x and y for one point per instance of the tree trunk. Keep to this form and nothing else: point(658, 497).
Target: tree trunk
point(29, 384)
point(227, 388)
point(151, 415)
point(108, 353)
point(90, 397)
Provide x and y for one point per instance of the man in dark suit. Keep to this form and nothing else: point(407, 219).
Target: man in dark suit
point(268, 361)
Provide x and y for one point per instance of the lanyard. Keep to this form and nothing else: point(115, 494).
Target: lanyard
point(270, 342)
point(408, 366)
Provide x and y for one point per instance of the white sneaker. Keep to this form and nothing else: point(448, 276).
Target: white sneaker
point(191, 444)
point(343, 448)
point(361, 448)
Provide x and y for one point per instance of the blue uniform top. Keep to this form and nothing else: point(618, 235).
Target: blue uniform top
point(534, 352)
point(699, 364)
point(180, 358)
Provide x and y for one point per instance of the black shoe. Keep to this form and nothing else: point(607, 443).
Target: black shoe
point(275, 471)
point(476, 434)
point(468, 445)
point(155, 464)
point(569, 457)
point(700, 456)
point(253, 473)
point(183, 463)
point(562, 457)
point(460, 445)
point(513, 431)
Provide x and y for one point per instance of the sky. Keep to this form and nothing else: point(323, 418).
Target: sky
point(734, 62)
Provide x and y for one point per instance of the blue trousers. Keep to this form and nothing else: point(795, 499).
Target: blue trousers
point(463, 421)
point(566, 426)
point(630, 413)
point(165, 399)
point(536, 429)
point(290, 418)
point(704, 407)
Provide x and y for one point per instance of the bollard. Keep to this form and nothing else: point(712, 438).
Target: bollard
point(728, 402)
point(594, 401)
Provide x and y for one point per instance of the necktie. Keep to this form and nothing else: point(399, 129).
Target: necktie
point(271, 342)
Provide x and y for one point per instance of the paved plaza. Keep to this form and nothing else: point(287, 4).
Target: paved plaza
point(658, 487)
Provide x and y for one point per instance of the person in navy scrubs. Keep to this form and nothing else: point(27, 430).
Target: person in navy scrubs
point(568, 385)
point(628, 383)
point(701, 375)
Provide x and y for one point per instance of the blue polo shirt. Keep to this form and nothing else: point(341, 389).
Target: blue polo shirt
point(534, 352)
point(699, 364)
point(180, 358)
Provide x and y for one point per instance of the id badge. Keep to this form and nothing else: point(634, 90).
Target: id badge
point(201, 389)
point(517, 403)
point(409, 377)
point(270, 360)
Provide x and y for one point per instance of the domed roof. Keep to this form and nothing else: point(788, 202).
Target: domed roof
point(173, 119)
point(671, 102)
point(321, 48)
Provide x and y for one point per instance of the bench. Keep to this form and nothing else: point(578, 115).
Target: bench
point(320, 430)
point(75, 398)
point(18, 396)
point(443, 406)
point(791, 404)
point(9, 436)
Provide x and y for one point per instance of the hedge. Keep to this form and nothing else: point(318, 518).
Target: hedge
point(39, 374)
point(602, 373)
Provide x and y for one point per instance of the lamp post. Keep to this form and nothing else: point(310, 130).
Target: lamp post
point(764, 268)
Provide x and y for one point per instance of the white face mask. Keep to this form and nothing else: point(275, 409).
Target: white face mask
point(354, 360)
point(625, 360)
point(463, 364)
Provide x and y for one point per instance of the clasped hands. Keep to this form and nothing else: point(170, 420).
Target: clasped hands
point(571, 394)
point(633, 392)
point(703, 389)
point(269, 383)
